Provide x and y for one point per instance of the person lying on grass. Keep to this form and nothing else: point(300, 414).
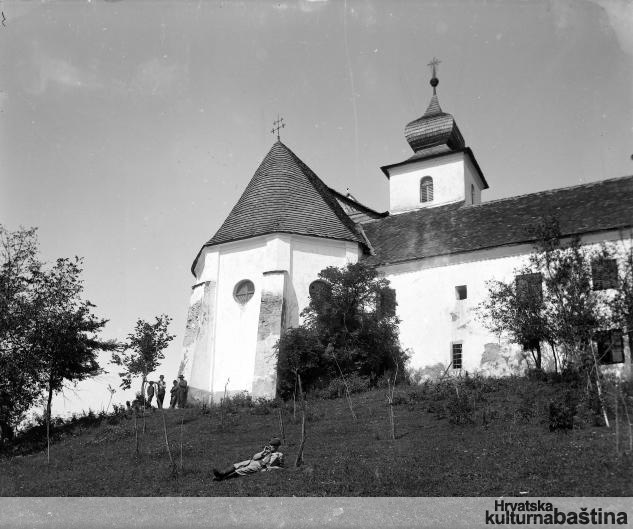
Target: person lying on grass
point(268, 459)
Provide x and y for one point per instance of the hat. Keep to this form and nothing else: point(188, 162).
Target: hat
point(274, 441)
point(181, 376)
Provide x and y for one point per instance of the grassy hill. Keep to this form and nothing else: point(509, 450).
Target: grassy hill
point(472, 438)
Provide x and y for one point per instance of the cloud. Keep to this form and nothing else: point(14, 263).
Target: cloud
point(307, 6)
point(620, 16)
point(158, 77)
point(46, 71)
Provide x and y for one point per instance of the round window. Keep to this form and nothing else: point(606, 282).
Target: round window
point(319, 288)
point(244, 291)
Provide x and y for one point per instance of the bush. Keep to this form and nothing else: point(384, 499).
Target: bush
point(336, 388)
point(459, 408)
point(561, 412)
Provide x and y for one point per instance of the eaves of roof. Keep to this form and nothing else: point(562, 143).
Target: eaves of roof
point(414, 159)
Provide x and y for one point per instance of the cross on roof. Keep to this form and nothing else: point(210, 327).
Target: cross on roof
point(277, 124)
point(433, 64)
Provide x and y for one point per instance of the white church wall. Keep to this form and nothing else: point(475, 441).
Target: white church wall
point(471, 177)
point(237, 333)
point(432, 318)
point(447, 172)
point(310, 255)
point(236, 327)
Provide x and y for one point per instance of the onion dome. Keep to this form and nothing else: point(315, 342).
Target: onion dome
point(435, 128)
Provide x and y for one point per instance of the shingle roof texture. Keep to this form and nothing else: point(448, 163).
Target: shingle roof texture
point(433, 128)
point(459, 228)
point(286, 196)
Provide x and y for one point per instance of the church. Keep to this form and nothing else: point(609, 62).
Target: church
point(438, 245)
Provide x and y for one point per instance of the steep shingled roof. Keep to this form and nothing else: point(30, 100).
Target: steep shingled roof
point(457, 228)
point(285, 196)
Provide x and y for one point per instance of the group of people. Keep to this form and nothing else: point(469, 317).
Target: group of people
point(158, 388)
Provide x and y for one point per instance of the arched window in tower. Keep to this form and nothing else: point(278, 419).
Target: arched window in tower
point(426, 189)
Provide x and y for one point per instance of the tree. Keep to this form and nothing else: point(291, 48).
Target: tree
point(551, 300)
point(48, 334)
point(517, 309)
point(300, 354)
point(18, 367)
point(144, 350)
point(621, 304)
point(65, 336)
point(350, 324)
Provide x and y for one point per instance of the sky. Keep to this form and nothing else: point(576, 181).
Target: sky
point(128, 129)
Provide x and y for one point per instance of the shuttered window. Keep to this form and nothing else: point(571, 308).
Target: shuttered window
point(610, 346)
point(386, 303)
point(604, 274)
point(529, 288)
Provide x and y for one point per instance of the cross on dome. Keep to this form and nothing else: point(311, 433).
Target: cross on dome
point(277, 124)
point(434, 80)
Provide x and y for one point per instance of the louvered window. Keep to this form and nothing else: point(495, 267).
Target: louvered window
point(244, 291)
point(610, 346)
point(426, 189)
point(604, 273)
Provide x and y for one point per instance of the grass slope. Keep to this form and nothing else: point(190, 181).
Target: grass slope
point(430, 457)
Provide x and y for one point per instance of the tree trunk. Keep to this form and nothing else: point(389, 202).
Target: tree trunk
point(539, 357)
point(143, 390)
point(299, 459)
point(48, 419)
point(555, 356)
point(6, 431)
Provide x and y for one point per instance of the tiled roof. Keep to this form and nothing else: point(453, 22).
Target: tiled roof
point(354, 209)
point(285, 196)
point(457, 228)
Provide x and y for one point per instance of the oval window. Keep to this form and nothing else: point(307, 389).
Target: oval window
point(318, 288)
point(244, 291)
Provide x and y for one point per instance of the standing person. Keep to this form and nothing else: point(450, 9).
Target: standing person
point(182, 392)
point(150, 393)
point(174, 395)
point(161, 387)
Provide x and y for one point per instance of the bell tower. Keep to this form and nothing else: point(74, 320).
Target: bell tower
point(442, 170)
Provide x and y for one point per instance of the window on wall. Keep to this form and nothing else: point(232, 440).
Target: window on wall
point(610, 346)
point(604, 274)
point(244, 291)
point(461, 292)
point(456, 356)
point(529, 288)
point(426, 189)
point(472, 193)
point(318, 288)
point(386, 303)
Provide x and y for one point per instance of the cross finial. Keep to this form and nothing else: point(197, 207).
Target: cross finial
point(434, 80)
point(277, 124)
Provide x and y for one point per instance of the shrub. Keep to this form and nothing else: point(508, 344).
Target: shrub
point(561, 412)
point(459, 408)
